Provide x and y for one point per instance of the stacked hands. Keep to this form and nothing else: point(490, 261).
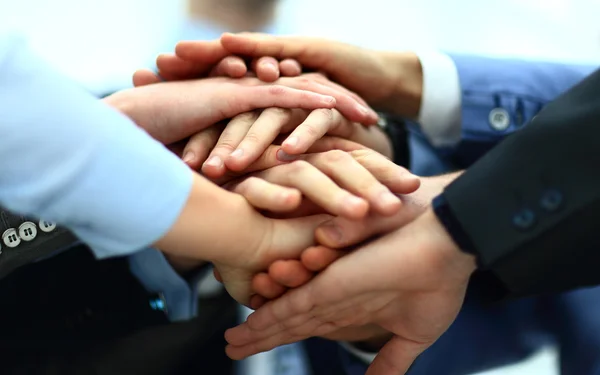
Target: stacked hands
point(318, 187)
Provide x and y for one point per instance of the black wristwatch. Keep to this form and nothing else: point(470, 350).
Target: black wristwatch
point(395, 128)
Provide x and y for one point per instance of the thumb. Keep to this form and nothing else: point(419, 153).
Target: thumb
point(290, 237)
point(396, 357)
point(342, 232)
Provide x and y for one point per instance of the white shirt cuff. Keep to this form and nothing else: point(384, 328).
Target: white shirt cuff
point(440, 114)
point(366, 357)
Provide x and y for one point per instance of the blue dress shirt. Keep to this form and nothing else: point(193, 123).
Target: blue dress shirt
point(67, 157)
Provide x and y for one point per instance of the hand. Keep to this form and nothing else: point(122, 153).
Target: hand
point(410, 282)
point(311, 178)
point(235, 237)
point(355, 108)
point(339, 234)
point(292, 273)
point(246, 137)
point(389, 81)
point(266, 68)
point(172, 111)
point(339, 183)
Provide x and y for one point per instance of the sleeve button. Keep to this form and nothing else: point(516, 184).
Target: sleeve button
point(524, 219)
point(551, 200)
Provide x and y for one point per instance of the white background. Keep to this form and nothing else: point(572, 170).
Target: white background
point(101, 42)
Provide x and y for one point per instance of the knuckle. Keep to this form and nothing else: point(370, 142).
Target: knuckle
point(365, 155)
point(245, 117)
point(278, 112)
point(311, 131)
point(303, 81)
point(276, 90)
point(252, 181)
point(298, 166)
point(252, 137)
point(225, 145)
point(336, 156)
point(327, 114)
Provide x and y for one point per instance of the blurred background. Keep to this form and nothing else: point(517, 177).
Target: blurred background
point(101, 42)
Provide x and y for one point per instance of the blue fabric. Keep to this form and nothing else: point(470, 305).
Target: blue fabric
point(520, 87)
point(486, 337)
point(67, 157)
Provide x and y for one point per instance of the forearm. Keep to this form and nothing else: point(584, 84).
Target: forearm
point(406, 90)
point(542, 204)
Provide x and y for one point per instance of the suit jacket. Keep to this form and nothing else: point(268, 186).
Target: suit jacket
point(529, 209)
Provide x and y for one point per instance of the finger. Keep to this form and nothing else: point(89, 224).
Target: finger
point(267, 196)
point(145, 77)
point(264, 285)
point(398, 179)
point(317, 258)
point(317, 187)
point(207, 55)
point(310, 328)
point(290, 68)
point(256, 302)
point(172, 68)
point(289, 273)
point(348, 106)
point(178, 147)
point(313, 53)
point(266, 68)
point(395, 357)
point(294, 303)
point(341, 232)
point(274, 156)
point(266, 96)
point(322, 79)
point(355, 178)
point(199, 146)
point(257, 45)
point(217, 275)
point(329, 143)
point(259, 136)
point(229, 140)
point(318, 123)
point(230, 66)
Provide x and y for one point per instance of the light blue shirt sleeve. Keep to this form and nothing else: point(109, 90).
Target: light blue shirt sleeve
point(68, 157)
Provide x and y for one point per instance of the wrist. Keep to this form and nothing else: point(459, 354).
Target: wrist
point(213, 226)
point(406, 78)
point(447, 254)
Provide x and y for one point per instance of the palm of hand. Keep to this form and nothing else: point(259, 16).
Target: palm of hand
point(408, 282)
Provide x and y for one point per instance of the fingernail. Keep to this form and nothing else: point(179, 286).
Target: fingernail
point(188, 157)
point(237, 153)
point(292, 141)
point(332, 232)
point(386, 198)
point(329, 100)
point(365, 111)
point(353, 201)
point(215, 161)
point(284, 156)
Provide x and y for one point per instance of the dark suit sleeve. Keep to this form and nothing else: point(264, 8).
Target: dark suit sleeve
point(530, 208)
